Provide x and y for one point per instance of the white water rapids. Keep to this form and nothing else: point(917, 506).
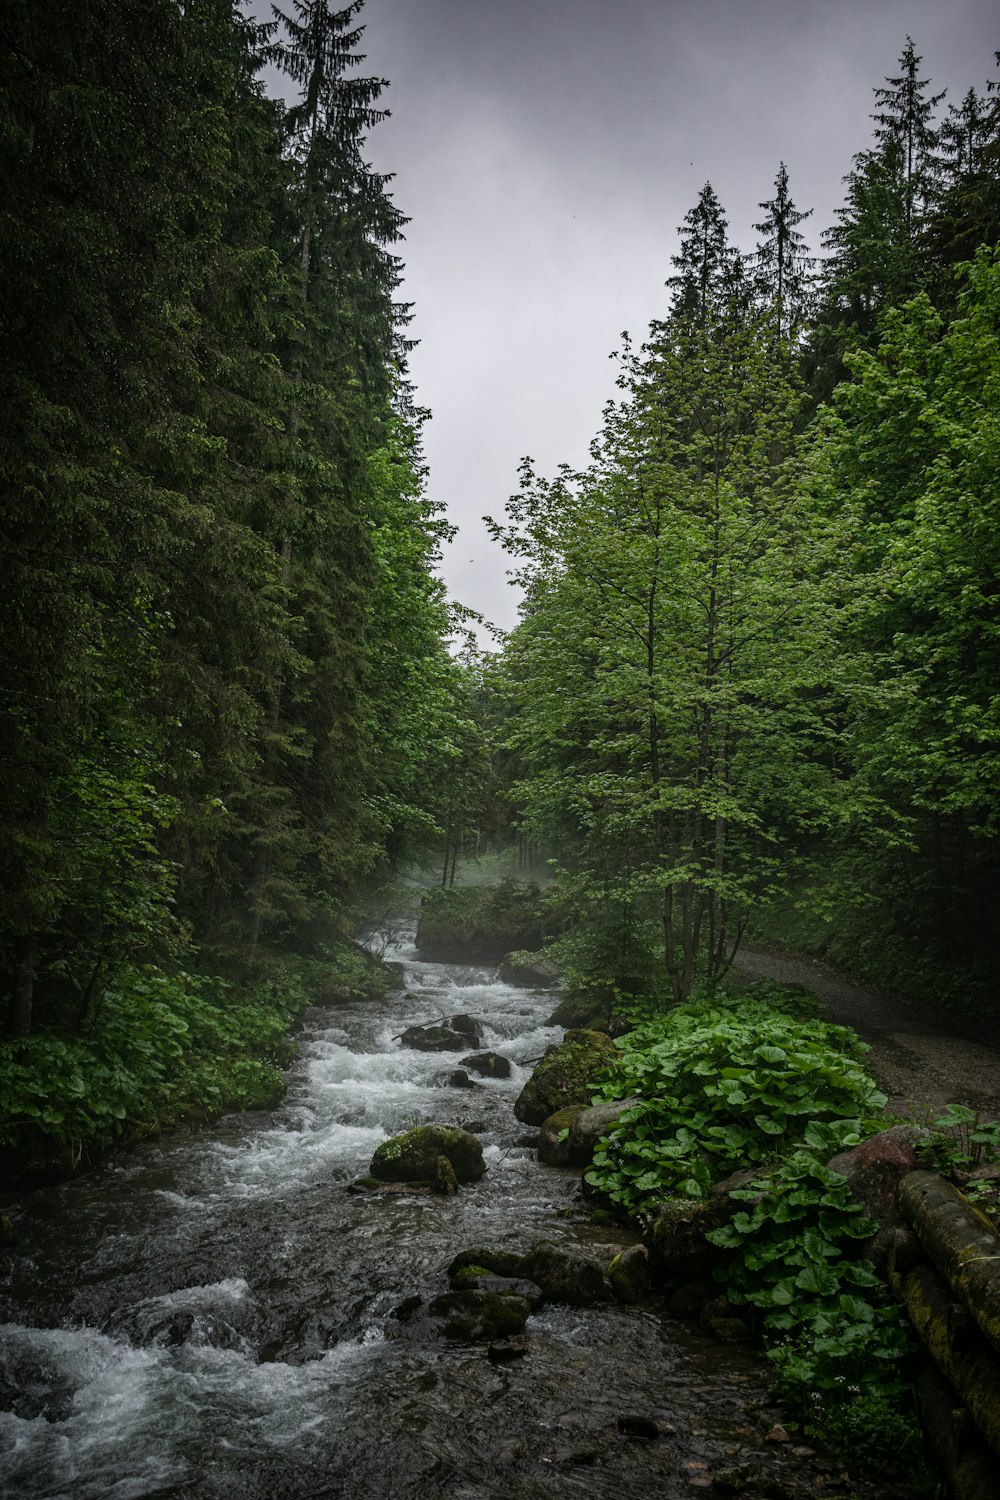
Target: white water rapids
point(208, 1316)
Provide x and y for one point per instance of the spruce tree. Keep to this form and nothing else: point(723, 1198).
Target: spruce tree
point(905, 114)
point(781, 260)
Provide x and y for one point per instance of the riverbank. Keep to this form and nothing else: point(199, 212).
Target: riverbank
point(212, 1315)
point(919, 1063)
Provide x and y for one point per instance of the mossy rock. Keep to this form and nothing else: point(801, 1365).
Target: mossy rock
point(580, 1011)
point(628, 1274)
point(563, 1276)
point(484, 1262)
point(504, 1286)
point(677, 1244)
point(413, 1156)
point(553, 1146)
point(480, 1316)
point(444, 1182)
point(566, 1075)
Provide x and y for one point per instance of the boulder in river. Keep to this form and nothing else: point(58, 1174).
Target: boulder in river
point(553, 1138)
point(566, 1075)
point(472, 1316)
point(584, 1128)
point(628, 1274)
point(459, 1079)
point(488, 1064)
point(479, 1316)
point(413, 1156)
point(581, 1009)
point(505, 1286)
point(533, 970)
point(482, 1261)
point(564, 1276)
point(443, 1036)
point(444, 1182)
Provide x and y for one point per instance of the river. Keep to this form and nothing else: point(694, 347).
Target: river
point(210, 1315)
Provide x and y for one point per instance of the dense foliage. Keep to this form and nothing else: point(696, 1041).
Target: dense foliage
point(755, 1084)
point(757, 669)
point(227, 694)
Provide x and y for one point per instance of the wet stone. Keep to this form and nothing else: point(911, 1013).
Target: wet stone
point(488, 1064)
point(481, 1261)
point(511, 1286)
point(563, 1276)
point(478, 1316)
point(635, 1424)
point(413, 1156)
point(459, 1079)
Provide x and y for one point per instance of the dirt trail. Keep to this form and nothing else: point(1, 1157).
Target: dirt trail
point(920, 1065)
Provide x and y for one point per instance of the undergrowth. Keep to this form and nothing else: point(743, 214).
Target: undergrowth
point(160, 1048)
point(757, 1081)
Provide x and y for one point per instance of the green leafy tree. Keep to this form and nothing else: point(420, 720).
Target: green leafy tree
point(673, 675)
point(914, 448)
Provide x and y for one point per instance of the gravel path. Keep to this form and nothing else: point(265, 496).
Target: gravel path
point(920, 1065)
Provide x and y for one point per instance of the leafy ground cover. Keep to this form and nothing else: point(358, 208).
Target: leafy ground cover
point(160, 1048)
point(759, 1081)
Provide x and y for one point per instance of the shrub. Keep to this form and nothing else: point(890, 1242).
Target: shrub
point(725, 1084)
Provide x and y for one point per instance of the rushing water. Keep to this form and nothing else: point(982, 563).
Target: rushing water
point(211, 1316)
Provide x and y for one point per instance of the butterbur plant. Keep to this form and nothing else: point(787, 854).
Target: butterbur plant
point(966, 1141)
point(722, 1089)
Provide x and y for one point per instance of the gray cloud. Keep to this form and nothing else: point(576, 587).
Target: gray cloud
point(546, 151)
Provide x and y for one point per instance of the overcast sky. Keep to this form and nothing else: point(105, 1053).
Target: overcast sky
point(546, 151)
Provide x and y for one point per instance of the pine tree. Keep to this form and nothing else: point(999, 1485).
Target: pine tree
point(965, 211)
point(706, 268)
point(781, 260)
point(904, 115)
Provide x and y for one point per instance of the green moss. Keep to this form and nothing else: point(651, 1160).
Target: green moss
point(485, 1262)
point(413, 1156)
point(479, 1317)
point(566, 1075)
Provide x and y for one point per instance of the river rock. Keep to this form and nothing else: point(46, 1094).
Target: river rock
point(459, 1079)
point(444, 1182)
point(479, 1316)
point(413, 1156)
point(533, 970)
point(506, 1286)
point(481, 1261)
point(591, 1124)
point(563, 1276)
point(443, 1036)
point(678, 1249)
point(874, 1170)
point(580, 1010)
point(566, 1075)
point(553, 1138)
point(488, 1064)
point(628, 1274)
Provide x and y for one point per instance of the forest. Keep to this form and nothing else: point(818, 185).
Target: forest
point(753, 692)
